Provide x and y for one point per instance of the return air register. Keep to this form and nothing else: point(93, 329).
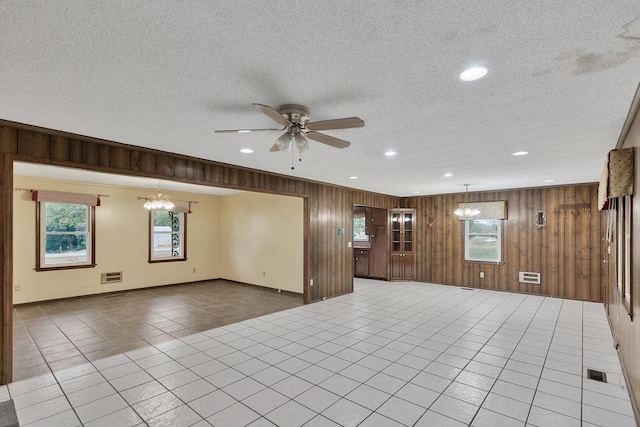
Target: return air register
point(592, 374)
point(113, 277)
point(529, 277)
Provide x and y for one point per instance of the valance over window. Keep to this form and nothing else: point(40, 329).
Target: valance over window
point(617, 177)
point(61, 197)
point(488, 210)
point(180, 206)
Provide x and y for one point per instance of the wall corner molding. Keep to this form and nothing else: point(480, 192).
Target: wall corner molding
point(631, 115)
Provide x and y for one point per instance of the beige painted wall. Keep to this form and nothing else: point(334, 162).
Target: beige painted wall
point(121, 244)
point(263, 240)
point(236, 237)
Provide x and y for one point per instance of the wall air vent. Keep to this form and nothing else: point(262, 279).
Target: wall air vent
point(592, 374)
point(529, 277)
point(113, 277)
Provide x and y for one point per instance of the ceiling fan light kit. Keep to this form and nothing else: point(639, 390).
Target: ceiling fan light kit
point(158, 201)
point(298, 129)
point(466, 210)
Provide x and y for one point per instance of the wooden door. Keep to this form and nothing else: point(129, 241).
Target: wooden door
point(367, 219)
point(408, 255)
point(395, 267)
point(378, 217)
point(361, 268)
point(402, 259)
point(379, 255)
point(396, 232)
point(408, 267)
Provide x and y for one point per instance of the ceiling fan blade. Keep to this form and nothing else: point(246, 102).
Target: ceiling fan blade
point(282, 143)
point(275, 148)
point(243, 130)
point(329, 140)
point(273, 114)
point(346, 123)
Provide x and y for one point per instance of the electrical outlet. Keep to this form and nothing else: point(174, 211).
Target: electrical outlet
point(311, 282)
point(194, 270)
point(17, 288)
point(482, 274)
point(264, 274)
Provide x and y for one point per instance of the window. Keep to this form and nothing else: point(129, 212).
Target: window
point(483, 240)
point(620, 220)
point(359, 229)
point(65, 236)
point(167, 233)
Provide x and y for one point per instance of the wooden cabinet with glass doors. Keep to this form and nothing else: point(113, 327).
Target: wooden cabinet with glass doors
point(402, 260)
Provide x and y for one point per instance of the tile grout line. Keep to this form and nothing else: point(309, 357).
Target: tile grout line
point(545, 361)
point(512, 351)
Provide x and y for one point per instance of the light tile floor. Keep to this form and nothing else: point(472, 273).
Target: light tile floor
point(390, 354)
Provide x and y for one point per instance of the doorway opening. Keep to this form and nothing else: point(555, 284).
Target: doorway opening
point(246, 257)
point(370, 242)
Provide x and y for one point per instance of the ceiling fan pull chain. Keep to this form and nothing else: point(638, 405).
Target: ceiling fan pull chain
point(293, 153)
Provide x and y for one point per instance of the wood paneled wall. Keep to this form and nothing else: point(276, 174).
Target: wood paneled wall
point(568, 251)
point(328, 259)
point(625, 331)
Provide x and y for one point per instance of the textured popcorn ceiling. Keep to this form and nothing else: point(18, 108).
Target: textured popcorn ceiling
point(166, 74)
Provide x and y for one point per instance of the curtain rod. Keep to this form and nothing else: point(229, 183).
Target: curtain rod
point(32, 190)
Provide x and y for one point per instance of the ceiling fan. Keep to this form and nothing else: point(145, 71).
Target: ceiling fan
point(297, 128)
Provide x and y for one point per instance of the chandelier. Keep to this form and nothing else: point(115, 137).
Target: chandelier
point(465, 210)
point(158, 201)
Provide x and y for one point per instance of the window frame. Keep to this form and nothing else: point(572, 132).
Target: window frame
point(183, 234)
point(366, 237)
point(498, 235)
point(42, 234)
point(621, 208)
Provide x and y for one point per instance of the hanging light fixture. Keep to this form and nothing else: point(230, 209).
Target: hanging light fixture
point(158, 201)
point(465, 210)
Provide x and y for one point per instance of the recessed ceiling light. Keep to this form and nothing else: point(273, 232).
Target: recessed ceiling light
point(549, 180)
point(390, 153)
point(416, 192)
point(244, 131)
point(473, 73)
point(353, 177)
point(520, 153)
point(448, 175)
point(246, 150)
